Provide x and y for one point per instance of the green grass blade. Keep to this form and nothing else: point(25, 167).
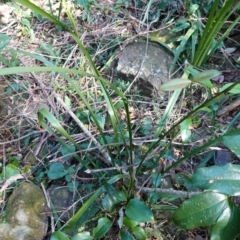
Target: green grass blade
point(194, 152)
point(184, 40)
point(71, 224)
point(45, 126)
point(70, 17)
point(172, 129)
point(224, 35)
point(215, 22)
point(169, 108)
point(74, 34)
point(40, 11)
point(17, 70)
point(44, 113)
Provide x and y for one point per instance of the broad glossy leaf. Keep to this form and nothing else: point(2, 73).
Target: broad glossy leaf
point(125, 235)
point(104, 224)
point(203, 209)
point(108, 203)
point(139, 233)
point(177, 83)
point(59, 236)
point(206, 75)
point(117, 196)
point(232, 140)
point(139, 211)
point(224, 178)
point(129, 222)
point(182, 179)
point(227, 226)
point(112, 198)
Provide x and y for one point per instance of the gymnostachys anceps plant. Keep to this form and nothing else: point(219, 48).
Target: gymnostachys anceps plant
point(134, 208)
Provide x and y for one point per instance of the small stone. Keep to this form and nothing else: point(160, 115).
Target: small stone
point(25, 214)
point(62, 200)
point(150, 62)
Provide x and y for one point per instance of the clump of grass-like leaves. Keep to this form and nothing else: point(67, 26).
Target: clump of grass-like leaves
point(120, 202)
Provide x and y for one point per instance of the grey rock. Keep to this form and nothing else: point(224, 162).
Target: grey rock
point(151, 63)
point(62, 200)
point(25, 214)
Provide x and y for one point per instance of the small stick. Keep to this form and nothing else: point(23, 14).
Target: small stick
point(229, 108)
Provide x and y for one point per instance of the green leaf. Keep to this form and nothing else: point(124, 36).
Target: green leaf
point(67, 101)
point(71, 225)
point(224, 179)
point(104, 224)
point(234, 90)
point(146, 126)
point(139, 211)
point(112, 198)
point(26, 23)
point(231, 140)
point(203, 209)
point(205, 109)
point(156, 179)
point(11, 170)
point(84, 3)
point(174, 84)
point(129, 222)
point(206, 75)
point(66, 150)
point(180, 25)
point(44, 113)
point(82, 236)
point(185, 129)
point(59, 236)
point(125, 235)
point(184, 180)
point(207, 83)
point(4, 40)
point(47, 48)
point(193, 8)
point(227, 226)
point(114, 194)
point(101, 119)
point(139, 233)
point(108, 203)
point(56, 170)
